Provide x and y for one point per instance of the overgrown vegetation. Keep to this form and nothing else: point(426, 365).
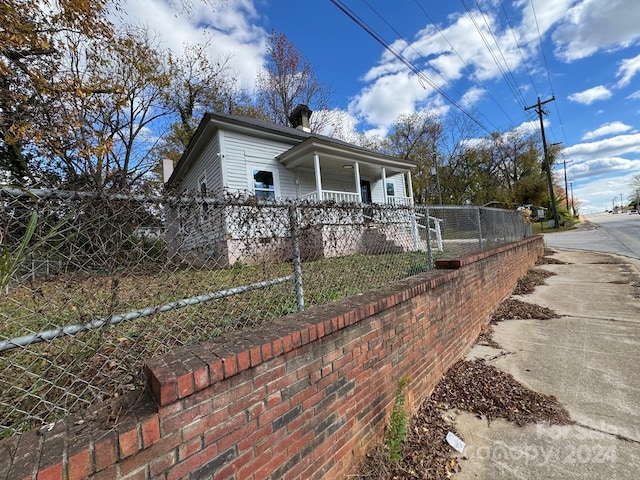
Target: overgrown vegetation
point(397, 431)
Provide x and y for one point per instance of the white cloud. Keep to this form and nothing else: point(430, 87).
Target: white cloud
point(230, 27)
point(602, 166)
point(590, 26)
point(635, 95)
point(607, 129)
point(597, 195)
point(389, 96)
point(628, 68)
point(472, 96)
point(587, 97)
point(609, 147)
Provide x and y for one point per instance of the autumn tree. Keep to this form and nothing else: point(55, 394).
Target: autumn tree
point(416, 137)
point(288, 80)
point(32, 36)
point(117, 114)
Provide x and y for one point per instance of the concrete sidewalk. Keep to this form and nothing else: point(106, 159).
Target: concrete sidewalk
point(589, 359)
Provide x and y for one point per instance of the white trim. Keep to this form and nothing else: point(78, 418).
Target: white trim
point(316, 167)
point(356, 171)
point(272, 170)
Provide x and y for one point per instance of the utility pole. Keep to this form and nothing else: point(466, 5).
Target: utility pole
point(552, 195)
point(566, 192)
point(573, 203)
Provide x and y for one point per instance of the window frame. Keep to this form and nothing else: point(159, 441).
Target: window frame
point(274, 177)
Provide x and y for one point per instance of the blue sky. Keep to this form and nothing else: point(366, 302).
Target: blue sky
point(489, 57)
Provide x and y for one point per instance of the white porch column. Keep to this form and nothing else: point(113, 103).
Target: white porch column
point(316, 166)
point(410, 187)
point(356, 170)
point(414, 222)
point(384, 185)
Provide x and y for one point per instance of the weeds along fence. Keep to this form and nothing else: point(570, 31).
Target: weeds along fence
point(95, 284)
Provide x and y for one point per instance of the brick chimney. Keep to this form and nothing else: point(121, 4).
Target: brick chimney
point(300, 117)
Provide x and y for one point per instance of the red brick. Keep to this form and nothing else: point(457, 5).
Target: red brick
point(230, 366)
point(188, 448)
point(255, 355)
point(128, 442)
point(79, 465)
point(180, 420)
point(107, 474)
point(235, 436)
point(267, 353)
point(268, 463)
point(255, 438)
point(105, 451)
point(204, 424)
point(296, 340)
point(216, 432)
point(185, 384)
point(243, 403)
point(162, 463)
point(244, 360)
point(183, 469)
point(52, 472)
point(140, 474)
point(287, 343)
point(150, 429)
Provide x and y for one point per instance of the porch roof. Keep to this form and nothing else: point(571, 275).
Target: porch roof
point(337, 154)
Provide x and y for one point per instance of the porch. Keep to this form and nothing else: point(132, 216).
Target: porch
point(352, 197)
point(343, 173)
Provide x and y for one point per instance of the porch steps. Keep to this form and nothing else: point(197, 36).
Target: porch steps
point(374, 243)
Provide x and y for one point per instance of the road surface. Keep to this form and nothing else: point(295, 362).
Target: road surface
point(602, 232)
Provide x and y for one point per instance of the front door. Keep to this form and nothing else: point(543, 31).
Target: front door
point(365, 191)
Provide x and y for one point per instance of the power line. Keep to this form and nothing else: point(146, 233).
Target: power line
point(497, 44)
point(473, 75)
point(514, 89)
point(421, 75)
point(515, 39)
point(400, 36)
point(546, 66)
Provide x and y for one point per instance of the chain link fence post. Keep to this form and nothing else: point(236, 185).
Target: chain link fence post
point(297, 263)
point(429, 248)
point(479, 215)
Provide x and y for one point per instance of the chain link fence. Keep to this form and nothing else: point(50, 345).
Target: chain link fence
point(94, 285)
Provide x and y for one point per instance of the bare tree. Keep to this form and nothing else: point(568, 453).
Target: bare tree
point(199, 85)
point(289, 80)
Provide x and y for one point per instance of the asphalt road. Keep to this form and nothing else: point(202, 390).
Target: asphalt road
point(602, 232)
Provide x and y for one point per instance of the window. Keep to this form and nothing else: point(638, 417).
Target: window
point(203, 191)
point(203, 185)
point(391, 189)
point(263, 184)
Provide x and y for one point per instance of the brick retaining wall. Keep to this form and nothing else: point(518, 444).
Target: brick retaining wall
point(303, 398)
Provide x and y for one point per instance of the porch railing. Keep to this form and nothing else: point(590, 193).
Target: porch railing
point(397, 200)
point(340, 197)
point(353, 197)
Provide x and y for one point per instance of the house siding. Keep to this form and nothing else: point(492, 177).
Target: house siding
point(210, 166)
point(243, 152)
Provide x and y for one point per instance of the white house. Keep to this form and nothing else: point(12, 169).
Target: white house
point(240, 155)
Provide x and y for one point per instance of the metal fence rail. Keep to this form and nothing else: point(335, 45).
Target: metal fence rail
point(94, 285)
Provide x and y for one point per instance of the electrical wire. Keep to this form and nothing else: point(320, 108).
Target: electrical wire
point(509, 81)
point(467, 66)
point(421, 75)
point(546, 66)
point(400, 36)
